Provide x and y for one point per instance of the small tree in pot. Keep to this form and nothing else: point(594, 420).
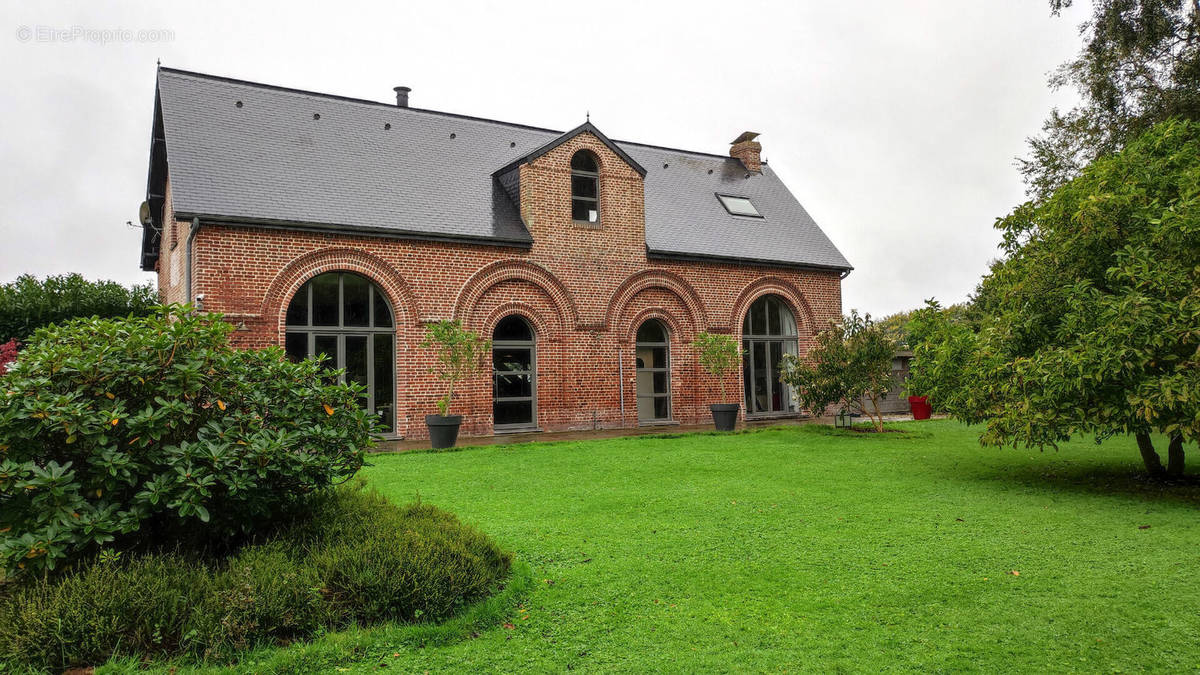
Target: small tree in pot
point(460, 353)
point(719, 355)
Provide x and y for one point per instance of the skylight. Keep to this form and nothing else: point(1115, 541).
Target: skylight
point(739, 206)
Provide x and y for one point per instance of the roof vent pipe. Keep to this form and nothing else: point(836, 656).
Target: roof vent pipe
point(402, 96)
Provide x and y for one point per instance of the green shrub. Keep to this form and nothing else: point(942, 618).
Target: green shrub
point(352, 557)
point(155, 428)
point(28, 304)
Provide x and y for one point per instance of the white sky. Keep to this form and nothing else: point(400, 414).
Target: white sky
point(894, 123)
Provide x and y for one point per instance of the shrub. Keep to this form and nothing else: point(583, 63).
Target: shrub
point(352, 557)
point(459, 353)
point(28, 304)
point(153, 427)
point(718, 354)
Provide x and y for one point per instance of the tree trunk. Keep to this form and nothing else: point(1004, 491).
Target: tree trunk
point(1175, 456)
point(1149, 456)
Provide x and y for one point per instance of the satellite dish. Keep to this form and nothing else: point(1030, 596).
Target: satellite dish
point(144, 213)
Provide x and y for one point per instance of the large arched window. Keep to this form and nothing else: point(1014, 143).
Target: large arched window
point(653, 372)
point(345, 317)
point(768, 332)
point(585, 188)
point(514, 380)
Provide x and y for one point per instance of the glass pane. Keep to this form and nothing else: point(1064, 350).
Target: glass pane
point(774, 307)
point(660, 383)
point(385, 363)
point(325, 300)
point(583, 186)
point(356, 359)
point(778, 396)
point(739, 206)
point(512, 329)
point(512, 358)
point(296, 345)
point(645, 383)
point(356, 296)
point(584, 210)
point(508, 386)
point(327, 345)
point(383, 313)
point(788, 321)
point(651, 331)
point(758, 317)
point(760, 377)
point(645, 407)
point(658, 357)
point(297, 312)
point(512, 412)
point(662, 408)
point(584, 161)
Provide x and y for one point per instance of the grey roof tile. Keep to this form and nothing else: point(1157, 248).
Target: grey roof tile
point(270, 160)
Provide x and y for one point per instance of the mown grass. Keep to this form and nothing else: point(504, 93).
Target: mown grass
point(805, 549)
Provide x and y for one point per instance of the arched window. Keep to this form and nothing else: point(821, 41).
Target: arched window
point(653, 372)
point(585, 188)
point(345, 317)
point(768, 332)
point(514, 379)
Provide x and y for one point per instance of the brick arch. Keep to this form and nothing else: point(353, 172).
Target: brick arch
point(299, 271)
point(506, 270)
point(656, 278)
point(543, 330)
point(676, 329)
point(791, 295)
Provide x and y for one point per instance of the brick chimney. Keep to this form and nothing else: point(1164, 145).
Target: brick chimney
point(747, 151)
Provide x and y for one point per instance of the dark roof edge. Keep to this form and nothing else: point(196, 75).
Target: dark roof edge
point(351, 99)
point(334, 228)
point(587, 127)
point(699, 257)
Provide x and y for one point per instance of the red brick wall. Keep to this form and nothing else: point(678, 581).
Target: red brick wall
point(584, 289)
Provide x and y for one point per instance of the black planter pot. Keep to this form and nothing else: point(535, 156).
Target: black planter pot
point(443, 430)
point(725, 415)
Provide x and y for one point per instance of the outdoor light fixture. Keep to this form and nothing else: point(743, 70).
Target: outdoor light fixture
point(842, 420)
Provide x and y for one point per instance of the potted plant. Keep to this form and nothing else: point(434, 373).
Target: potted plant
point(719, 355)
point(459, 355)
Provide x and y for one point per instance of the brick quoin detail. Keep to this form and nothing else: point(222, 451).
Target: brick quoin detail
point(583, 289)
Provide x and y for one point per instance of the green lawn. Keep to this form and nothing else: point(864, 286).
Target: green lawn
point(806, 549)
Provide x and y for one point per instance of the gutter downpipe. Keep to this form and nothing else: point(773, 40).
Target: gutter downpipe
point(190, 238)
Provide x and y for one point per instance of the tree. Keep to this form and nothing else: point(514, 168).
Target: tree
point(1140, 65)
point(718, 355)
point(851, 363)
point(944, 345)
point(459, 354)
point(1093, 315)
point(27, 304)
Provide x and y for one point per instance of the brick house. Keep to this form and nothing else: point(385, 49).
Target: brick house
point(331, 225)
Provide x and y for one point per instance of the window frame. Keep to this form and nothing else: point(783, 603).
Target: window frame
point(721, 197)
point(594, 176)
point(666, 370)
point(531, 345)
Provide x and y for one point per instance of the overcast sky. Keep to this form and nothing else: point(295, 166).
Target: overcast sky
point(895, 123)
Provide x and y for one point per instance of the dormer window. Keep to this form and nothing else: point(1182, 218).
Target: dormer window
point(585, 188)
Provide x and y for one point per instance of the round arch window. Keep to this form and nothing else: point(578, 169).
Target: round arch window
point(653, 372)
point(514, 374)
point(348, 319)
point(768, 332)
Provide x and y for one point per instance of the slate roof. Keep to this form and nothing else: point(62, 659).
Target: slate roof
point(430, 175)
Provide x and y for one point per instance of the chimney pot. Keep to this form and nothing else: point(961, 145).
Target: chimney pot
point(402, 96)
point(747, 151)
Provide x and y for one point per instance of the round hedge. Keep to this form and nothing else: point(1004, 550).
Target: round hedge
point(354, 558)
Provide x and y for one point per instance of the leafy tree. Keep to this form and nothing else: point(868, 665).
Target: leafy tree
point(943, 367)
point(28, 304)
point(141, 429)
point(1093, 322)
point(1140, 65)
point(851, 363)
point(718, 355)
point(459, 352)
